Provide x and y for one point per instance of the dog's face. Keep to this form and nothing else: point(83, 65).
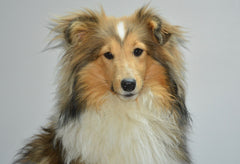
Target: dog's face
point(124, 61)
point(119, 56)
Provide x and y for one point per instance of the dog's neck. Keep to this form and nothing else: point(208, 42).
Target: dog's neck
point(125, 132)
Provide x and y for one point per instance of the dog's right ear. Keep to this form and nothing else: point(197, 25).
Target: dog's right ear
point(77, 26)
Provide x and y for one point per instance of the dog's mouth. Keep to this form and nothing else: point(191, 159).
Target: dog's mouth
point(125, 96)
point(129, 95)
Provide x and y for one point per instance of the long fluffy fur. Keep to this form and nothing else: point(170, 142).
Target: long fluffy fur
point(92, 125)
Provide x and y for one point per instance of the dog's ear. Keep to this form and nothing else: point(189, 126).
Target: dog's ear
point(76, 27)
point(161, 31)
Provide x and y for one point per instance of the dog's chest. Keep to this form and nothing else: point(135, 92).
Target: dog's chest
point(120, 134)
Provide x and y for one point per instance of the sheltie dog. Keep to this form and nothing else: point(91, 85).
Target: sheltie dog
point(120, 97)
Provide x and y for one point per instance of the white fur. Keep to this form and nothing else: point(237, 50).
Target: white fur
point(121, 30)
point(131, 132)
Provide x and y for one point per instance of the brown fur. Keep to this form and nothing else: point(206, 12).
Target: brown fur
point(42, 149)
point(85, 76)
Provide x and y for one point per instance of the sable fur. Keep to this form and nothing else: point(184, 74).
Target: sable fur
point(86, 92)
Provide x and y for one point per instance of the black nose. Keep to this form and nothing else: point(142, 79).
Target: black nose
point(128, 84)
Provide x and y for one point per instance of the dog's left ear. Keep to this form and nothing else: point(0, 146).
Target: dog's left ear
point(161, 31)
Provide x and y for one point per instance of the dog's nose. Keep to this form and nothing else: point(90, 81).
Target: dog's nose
point(128, 84)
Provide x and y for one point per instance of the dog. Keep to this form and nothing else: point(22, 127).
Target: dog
point(121, 96)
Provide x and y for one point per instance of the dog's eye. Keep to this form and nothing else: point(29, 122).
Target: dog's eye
point(137, 52)
point(109, 55)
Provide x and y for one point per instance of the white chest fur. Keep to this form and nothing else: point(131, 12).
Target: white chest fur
point(122, 133)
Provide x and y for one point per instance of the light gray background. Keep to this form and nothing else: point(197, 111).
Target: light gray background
point(212, 60)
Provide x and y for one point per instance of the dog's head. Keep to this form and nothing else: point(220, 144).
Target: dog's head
point(119, 56)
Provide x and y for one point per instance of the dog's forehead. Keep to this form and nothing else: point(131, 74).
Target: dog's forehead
point(124, 30)
point(116, 27)
point(120, 29)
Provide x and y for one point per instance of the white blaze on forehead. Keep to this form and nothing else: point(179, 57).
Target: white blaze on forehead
point(121, 30)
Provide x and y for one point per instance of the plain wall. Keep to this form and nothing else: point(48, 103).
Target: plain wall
point(212, 61)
